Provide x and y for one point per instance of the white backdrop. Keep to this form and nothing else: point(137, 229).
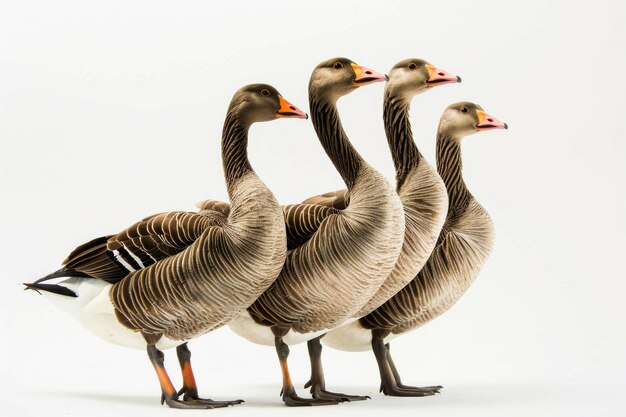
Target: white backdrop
point(113, 111)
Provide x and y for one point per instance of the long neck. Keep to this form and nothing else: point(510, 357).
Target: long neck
point(234, 150)
point(327, 124)
point(450, 167)
point(404, 152)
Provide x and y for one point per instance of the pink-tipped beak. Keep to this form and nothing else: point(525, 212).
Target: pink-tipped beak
point(364, 76)
point(437, 76)
point(487, 122)
point(289, 110)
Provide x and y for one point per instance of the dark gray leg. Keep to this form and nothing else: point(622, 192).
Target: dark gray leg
point(290, 397)
point(396, 375)
point(388, 383)
point(317, 382)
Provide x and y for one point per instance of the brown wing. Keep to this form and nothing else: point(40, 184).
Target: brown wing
point(154, 238)
point(213, 208)
point(336, 199)
point(303, 220)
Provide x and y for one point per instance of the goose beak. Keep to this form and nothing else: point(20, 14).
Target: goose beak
point(289, 110)
point(487, 122)
point(364, 76)
point(437, 76)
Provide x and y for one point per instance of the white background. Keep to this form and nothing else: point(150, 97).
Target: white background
point(111, 111)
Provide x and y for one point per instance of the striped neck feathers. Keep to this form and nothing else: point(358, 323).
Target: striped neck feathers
point(235, 150)
point(404, 152)
point(327, 124)
point(450, 167)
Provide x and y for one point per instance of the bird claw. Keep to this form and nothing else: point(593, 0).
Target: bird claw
point(409, 391)
point(291, 399)
point(191, 400)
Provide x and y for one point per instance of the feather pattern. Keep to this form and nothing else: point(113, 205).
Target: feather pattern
point(327, 279)
point(222, 271)
point(336, 199)
point(462, 248)
point(423, 197)
point(302, 221)
point(144, 243)
point(178, 275)
point(217, 210)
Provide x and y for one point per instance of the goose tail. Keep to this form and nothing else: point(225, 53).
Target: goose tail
point(70, 291)
point(41, 285)
point(51, 288)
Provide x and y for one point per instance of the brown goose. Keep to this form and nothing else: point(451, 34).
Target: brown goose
point(422, 192)
point(338, 258)
point(461, 250)
point(175, 276)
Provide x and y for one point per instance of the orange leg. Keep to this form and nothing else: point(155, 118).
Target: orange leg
point(168, 392)
point(190, 389)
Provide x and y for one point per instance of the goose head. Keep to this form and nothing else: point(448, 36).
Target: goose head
point(262, 103)
point(466, 118)
point(337, 77)
point(413, 76)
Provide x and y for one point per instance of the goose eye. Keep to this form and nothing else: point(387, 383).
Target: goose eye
point(464, 110)
point(337, 65)
point(265, 92)
point(412, 65)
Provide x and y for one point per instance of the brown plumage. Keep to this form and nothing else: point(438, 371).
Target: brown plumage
point(345, 261)
point(345, 255)
point(420, 189)
point(152, 239)
point(175, 276)
point(463, 246)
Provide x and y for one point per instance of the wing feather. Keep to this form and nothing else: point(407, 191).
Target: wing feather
point(336, 199)
point(303, 220)
point(144, 243)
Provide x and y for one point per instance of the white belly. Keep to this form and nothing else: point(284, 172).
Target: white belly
point(352, 338)
point(94, 310)
point(245, 326)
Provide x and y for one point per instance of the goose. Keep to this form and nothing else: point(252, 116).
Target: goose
point(420, 188)
point(462, 248)
point(175, 276)
point(337, 259)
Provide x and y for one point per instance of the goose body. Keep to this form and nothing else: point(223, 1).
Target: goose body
point(463, 247)
point(344, 255)
point(326, 280)
point(224, 270)
point(208, 269)
point(347, 245)
point(421, 190)
point(337, 259)
point(174, 276)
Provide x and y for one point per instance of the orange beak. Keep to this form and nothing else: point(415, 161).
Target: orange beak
point(437, 76)
point(487, 122)
point(364, 76)
point(289, 110)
